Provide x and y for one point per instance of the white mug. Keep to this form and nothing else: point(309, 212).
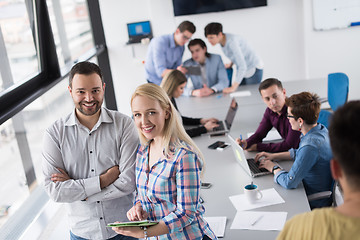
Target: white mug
point(252, 193)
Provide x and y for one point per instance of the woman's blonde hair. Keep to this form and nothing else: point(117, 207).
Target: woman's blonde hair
point(174, 133)
point(172, 80)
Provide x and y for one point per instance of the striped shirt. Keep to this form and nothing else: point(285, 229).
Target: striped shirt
point(170, 192)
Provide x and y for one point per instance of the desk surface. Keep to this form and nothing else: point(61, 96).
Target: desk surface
point(222, 170)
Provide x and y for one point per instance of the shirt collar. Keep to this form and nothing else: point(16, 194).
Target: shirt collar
point(283, 112)
point(104, 118)
point(169, 158)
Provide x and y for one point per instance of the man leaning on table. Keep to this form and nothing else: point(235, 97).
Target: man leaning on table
point(165, 52)
point(89, 159)
point(342, 222)
point(273, 95)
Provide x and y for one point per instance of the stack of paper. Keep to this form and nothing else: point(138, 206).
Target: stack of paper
point(217, 224)
point(265, 221)
point(258, 220)
point(240, 94)
point(272, 135)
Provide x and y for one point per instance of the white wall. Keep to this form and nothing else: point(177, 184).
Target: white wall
point(281, 33)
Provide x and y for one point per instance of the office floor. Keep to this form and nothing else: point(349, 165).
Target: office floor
point(57, 228)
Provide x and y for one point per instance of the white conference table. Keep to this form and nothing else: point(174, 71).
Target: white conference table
point(222, 170)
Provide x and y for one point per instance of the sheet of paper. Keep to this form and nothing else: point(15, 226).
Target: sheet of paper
point(271, 136)
point(240, 94)
point(270, 197)
point(265, 221)
point(217, 224)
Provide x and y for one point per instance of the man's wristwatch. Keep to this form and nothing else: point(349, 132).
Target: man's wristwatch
point(274, 168)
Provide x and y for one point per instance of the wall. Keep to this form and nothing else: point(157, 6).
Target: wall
point(332, 51)
point(281, 33)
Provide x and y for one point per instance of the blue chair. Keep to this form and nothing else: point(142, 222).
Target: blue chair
point(338, 89)
point(229, 72)
point(325, 117)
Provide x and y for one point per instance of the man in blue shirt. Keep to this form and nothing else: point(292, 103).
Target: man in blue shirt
point(249, 66)
point(165, 52)
point(213, 77)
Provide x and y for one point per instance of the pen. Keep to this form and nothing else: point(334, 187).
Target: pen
point(257, 220)
point(241, 145)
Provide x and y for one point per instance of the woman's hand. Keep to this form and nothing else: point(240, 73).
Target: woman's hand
point(135, 232)
point(267, 164)
point(137, 213)
point(264, 155)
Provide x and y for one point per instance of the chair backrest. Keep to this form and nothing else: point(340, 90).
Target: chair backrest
point(325, 117)
point(338, 89)
point(337, 195)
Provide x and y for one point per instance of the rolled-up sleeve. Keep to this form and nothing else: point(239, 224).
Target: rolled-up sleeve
point(188, 193)
point(305, 158)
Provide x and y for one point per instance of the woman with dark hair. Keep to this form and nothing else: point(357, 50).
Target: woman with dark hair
point(312, 158)
point(174, 83)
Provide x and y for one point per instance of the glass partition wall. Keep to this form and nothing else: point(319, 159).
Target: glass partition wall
point(39, 42)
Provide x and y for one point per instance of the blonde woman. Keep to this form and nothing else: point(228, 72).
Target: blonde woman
point(174, 83)
point(168, 170)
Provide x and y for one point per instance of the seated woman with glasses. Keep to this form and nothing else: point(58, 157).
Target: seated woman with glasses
point(312, 158)
point(174, 83)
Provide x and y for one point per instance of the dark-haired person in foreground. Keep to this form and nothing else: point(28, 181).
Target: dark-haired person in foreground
point(89, 159)
point(213, 76)
point(342, 222)
point(249, 66)
point(165, 52)
point(312, 159)
point(273, 95)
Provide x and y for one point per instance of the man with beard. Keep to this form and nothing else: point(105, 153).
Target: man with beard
point(89, 159)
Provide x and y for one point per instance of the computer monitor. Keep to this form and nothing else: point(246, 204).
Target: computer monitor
point(138, 31)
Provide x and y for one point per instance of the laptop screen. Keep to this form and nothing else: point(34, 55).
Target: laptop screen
point(240, 155)
point(231, 113)
point(138, 31)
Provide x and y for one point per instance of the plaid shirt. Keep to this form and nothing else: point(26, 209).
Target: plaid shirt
point(170, 192)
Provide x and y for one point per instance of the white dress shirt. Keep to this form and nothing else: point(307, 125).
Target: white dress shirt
point(86, 154)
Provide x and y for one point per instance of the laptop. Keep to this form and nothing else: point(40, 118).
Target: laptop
point(138, 31)
point(248, 165)
point(225, 125)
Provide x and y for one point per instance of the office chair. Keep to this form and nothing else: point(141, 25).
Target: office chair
point(229, 72)
point(325, 117)
point(338, 89)
point(336, 194)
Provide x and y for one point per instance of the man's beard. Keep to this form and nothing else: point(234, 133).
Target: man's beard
point(87, 112)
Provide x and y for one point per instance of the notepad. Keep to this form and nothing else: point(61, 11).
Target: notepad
point(144, 223)
point(272, 135)
point(270, 197)
point(217, 224)
point(265, 221)
point(240, 94)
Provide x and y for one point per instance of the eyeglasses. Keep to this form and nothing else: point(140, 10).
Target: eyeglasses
point(289, 116)
point(185, 37)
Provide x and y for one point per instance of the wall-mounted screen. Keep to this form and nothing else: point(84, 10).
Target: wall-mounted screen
point(187, 7)
point(138, 31)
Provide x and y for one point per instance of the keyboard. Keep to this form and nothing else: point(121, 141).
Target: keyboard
point(221, 126)
point(254, 166)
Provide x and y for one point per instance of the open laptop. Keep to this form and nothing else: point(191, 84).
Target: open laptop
point(225, 125)
point(249, 165)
